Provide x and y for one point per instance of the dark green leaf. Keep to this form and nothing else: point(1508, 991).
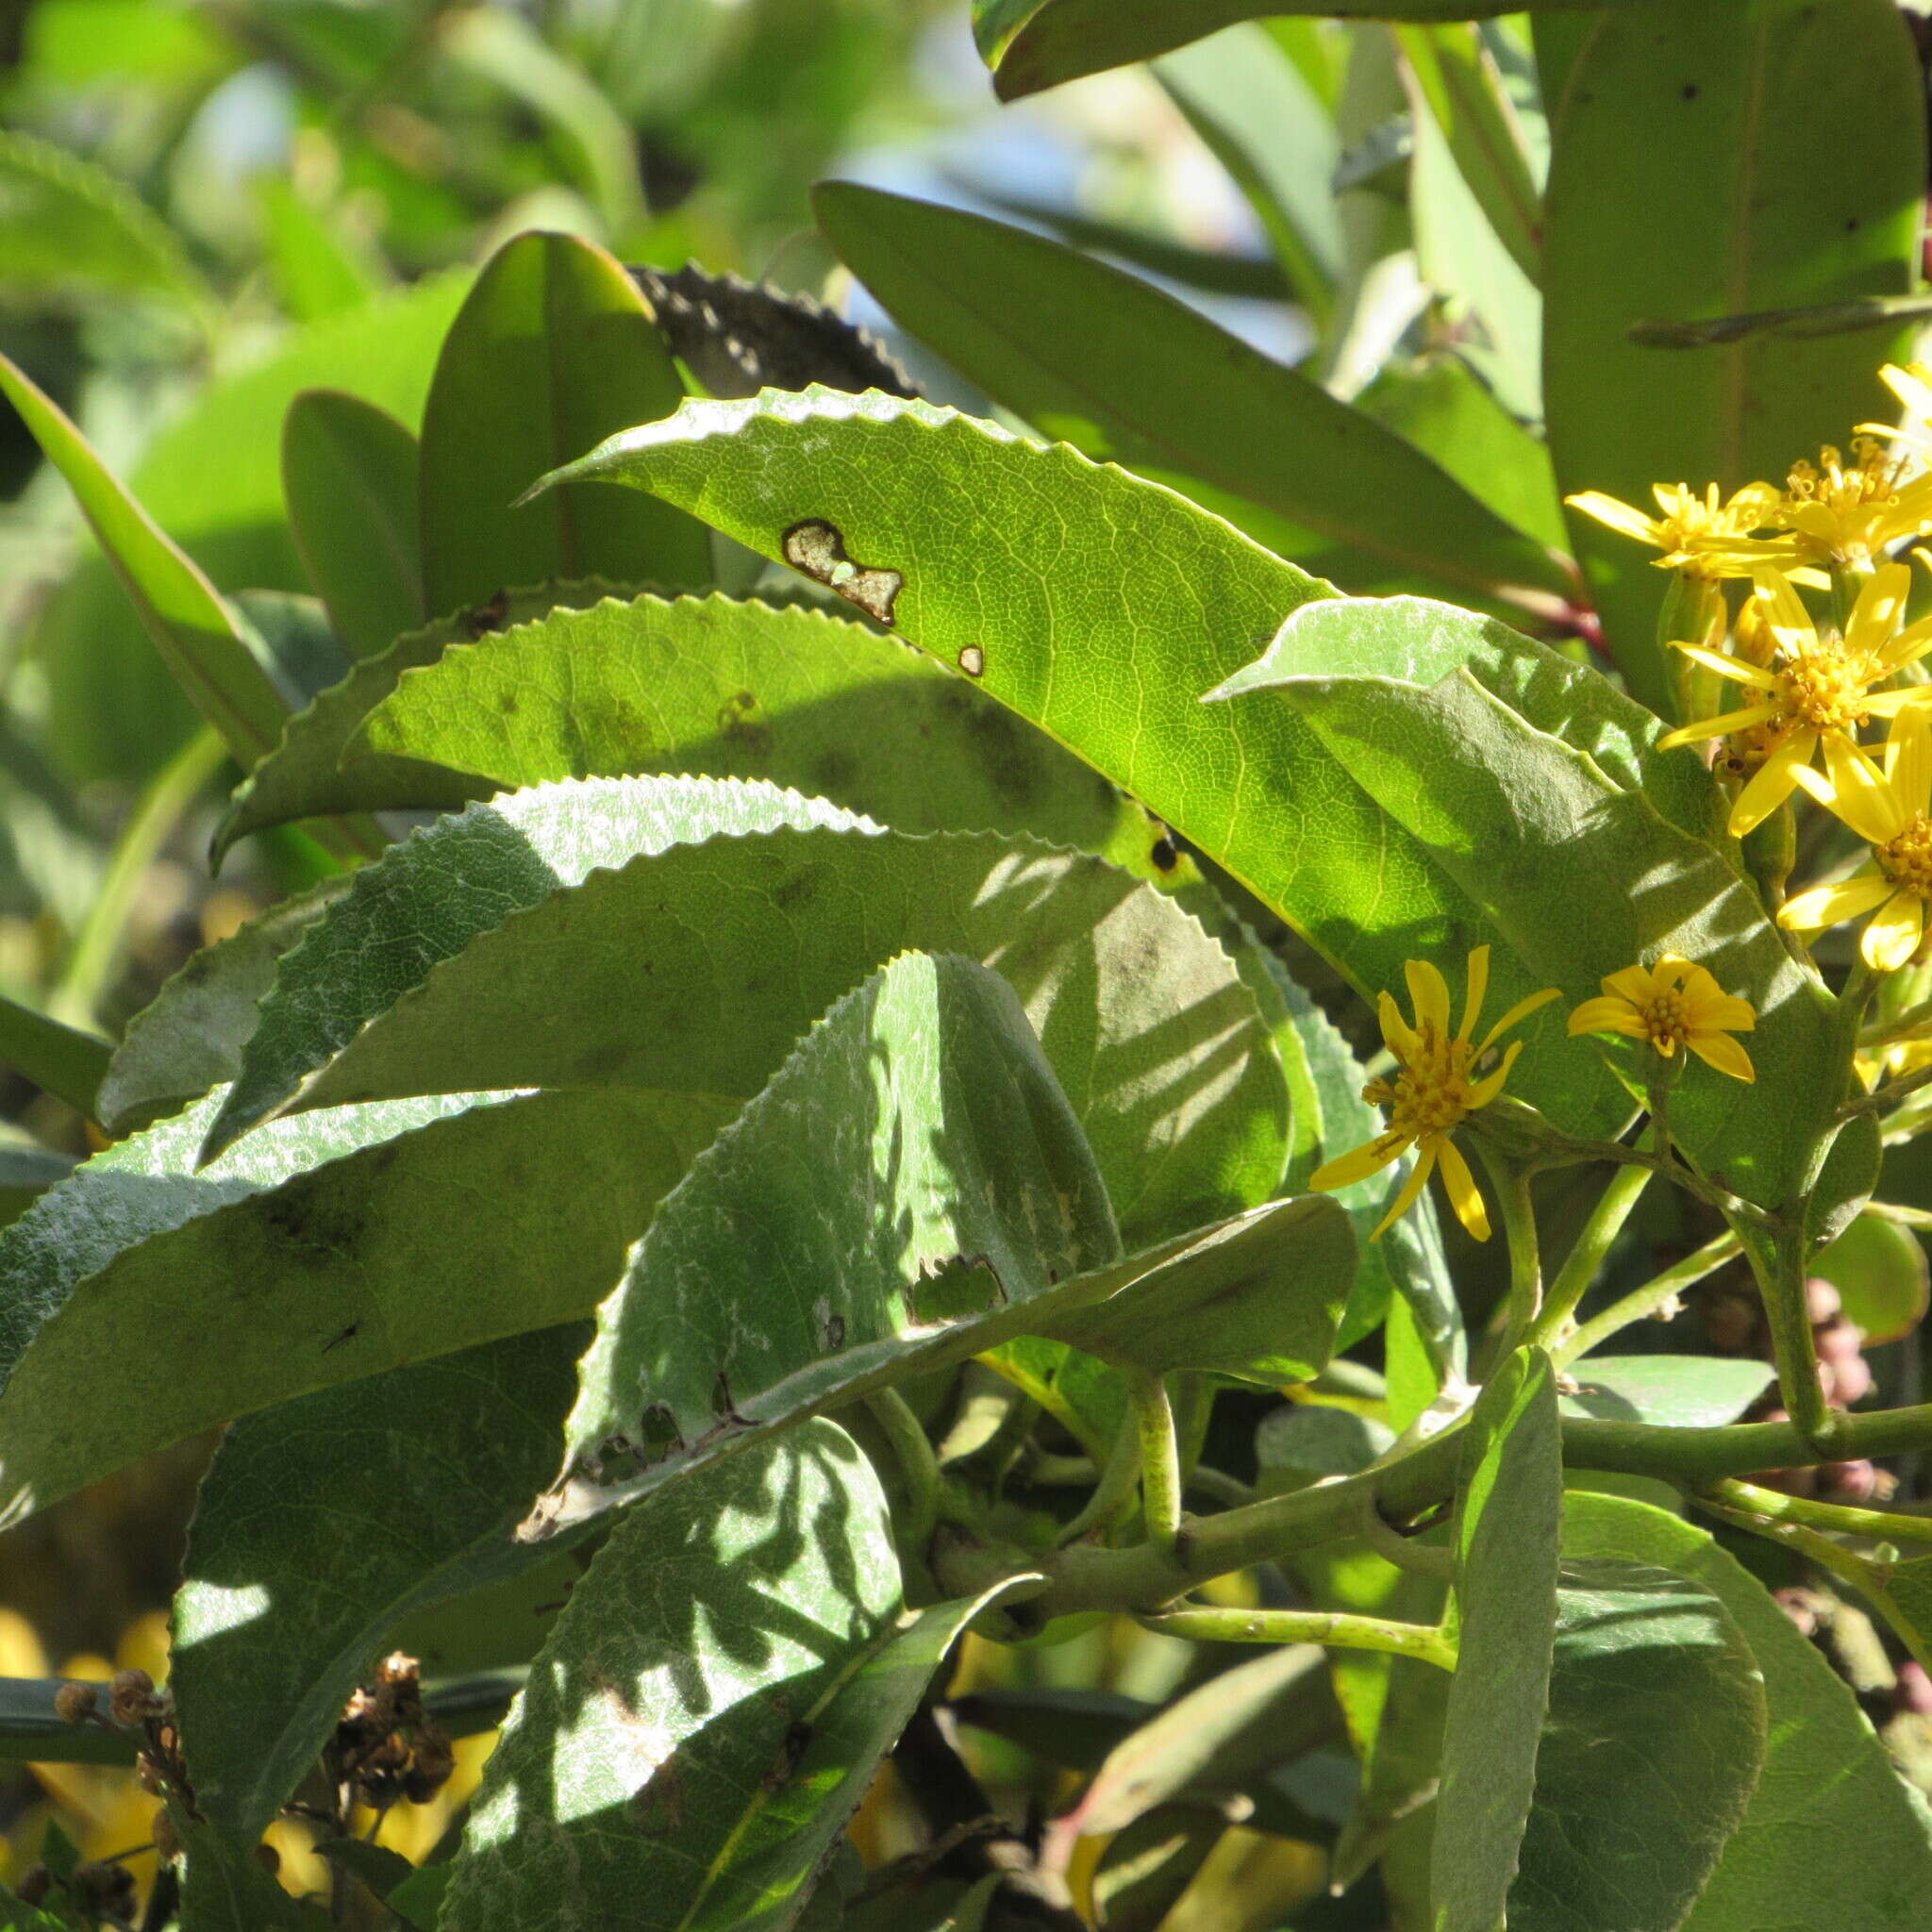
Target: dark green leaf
point(349, 474)
point(1826, 1779)
point(1652, 1744)
point(26, 1172)
point(1741, 99)
point(1507, 1521)
point(144, 1299)
point(700, 952)
point(59, 1060)
point(293, 640)
point(404, 1488)
point(1124, 373)
point(709, 1708)
point(1072, 1728)
point(554, 348)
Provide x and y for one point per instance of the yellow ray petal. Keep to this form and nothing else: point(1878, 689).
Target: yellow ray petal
point(1411, 1187)
point(1521, 1010)
point(1771, 783)
point(1909, 759)
point(1464, 1196)
point(1721, 1051)
point(1479, 987)
point(1738, 668)
point(1859, 794)
point(1358, 1163)
point(1894, 935)
point(1397, 1035)
point(1784, 610)
point(1633, 983)
point(1428, 993)
point(1486, 1090)
point(1826, 905)
point(1618, 516)
point(1606, 1016)
point(1720, 726)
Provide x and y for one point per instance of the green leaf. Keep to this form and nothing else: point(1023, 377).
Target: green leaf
point(1059, 618)
point(1124, 373)
point(1741, 100)
point(1453, 78)
point(1679, 1392)
point(1655, 1737)
point(317, 269)
point(1270, 129)
point(721, 688)
point(349, 474)
point(701, 950)
point(1827, 1778)
point(709, 1708)
point(59, 1060)
point(1478, 742)
point(1146, 1868)
point(404, 1488)
point(224, 1888)
point(304, 775)
point(69, 228)
point(212, 479)
point(1904, 1593)
point(1879, 1271)
point(1072, 1728)
point(26, 1172)
point(333, 1246)
point(1031, 44)
point(1507, 1521)
point(177, 605)
point(554, 348)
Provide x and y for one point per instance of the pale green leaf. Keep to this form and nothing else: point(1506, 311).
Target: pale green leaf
point(1678, 1391)
point(60, 1061)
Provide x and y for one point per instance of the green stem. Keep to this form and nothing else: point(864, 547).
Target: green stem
point(1118, 1474)
point(1862, 1572)
point(1510, 1180)
point(1160, 1457)
point(1338, 1629)
point(1898, 1212)
point(1900, 1027)
point(918, 1466)
point(1844, 1519)
point(1647, 1300)
point(1884, 1096)
point(1778, 1265)
point(1619, 1195)
point(103, 936)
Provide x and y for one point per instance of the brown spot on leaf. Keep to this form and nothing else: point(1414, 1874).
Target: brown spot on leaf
point(817, 549)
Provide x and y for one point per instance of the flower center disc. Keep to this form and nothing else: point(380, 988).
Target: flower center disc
point(1827, 688)
point(1908, 857)
point(1432, 1092)
point(1664, 1025)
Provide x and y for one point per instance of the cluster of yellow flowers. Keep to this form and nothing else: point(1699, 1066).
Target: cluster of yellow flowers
point(1444, 1077)
point(1831, 529)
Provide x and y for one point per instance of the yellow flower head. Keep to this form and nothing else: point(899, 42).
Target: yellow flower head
point(1672, 1003)
point(1698, 535)
point(1912, 385)
point(1816, 689)
point(1847, 514)
point(1891, 811)
point(1436, 1088)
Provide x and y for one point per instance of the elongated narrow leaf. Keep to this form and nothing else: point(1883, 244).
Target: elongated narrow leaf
point(1654, 1741)
point(349, 474)
point(1099, 360)
point(1741, 99)
point(723, 689)
point(144, 1300)
point(404, 1488)
point(212, 479)
point(177, 605)
point(1031, 44)
point(553, 349)
point(709, 1708)
point(1507, 1521)
point(59, 1061)
point(1063, 619)
point(1824, 1773)
point(700, 949)
point(1581, 807)
point(304, 775)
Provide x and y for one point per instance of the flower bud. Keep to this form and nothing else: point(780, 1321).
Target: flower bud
point(131, 1696)
point(76, 1703)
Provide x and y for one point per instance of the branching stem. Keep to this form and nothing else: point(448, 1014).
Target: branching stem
point(1338, 1629)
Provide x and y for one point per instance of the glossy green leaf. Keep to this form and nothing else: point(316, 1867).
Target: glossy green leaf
point(721, 688)
point(71, 229)
point(1270, 129)
point(1059, 619)
point(1678, 1391)
point(1825, 1778)
point(1124, 373)
point(349, 476)
point(60, 1061)
point(404, 1488)
point(1653, 1742)
point(1507, 1521)
point(1879, 1271)
point(1478, 742)
point(699, 951)
point(1741, 99)
point(1454, 79)
point(1072, 1728)
point(552, 348)
point(709, 1708)
point(178, 609)
point(1031, 44)
point(322, 1249)
point(304, 777)
point(212, 479)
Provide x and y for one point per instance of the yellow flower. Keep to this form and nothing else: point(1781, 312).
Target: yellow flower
point(1912, 385)
point(1695, 533)
point(1816, 688)
point(1434, 1091)
point(1849, 514)
point(1672, 1003)
point(1891, 811)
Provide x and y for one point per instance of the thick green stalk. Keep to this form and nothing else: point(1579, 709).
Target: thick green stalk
point(918, 1467)
point(1338, 1629)
point(1510, 1180)
point(1620, 1193)
point(1842, 1518)
point(1160, 1457)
